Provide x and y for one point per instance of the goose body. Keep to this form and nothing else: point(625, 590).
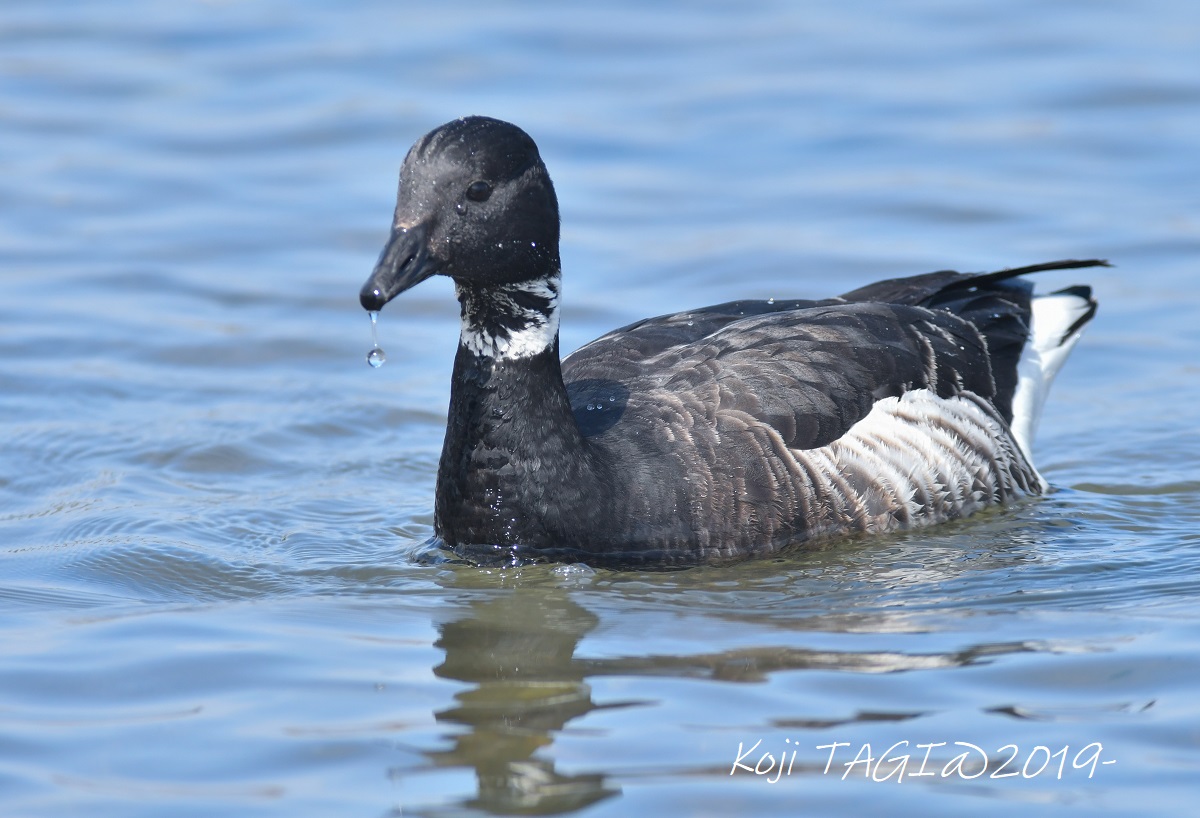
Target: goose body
point(715, 434)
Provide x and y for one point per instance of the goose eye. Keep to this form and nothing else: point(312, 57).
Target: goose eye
point(479, 191)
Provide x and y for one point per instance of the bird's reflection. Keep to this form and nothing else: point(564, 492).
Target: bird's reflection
point(518, 650)
point(516, 647)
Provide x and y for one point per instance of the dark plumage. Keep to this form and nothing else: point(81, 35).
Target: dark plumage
point(714, 434)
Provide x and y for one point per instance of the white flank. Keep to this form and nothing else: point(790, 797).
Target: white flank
point(539, 333)
point(936, 458)
point(1044, 354)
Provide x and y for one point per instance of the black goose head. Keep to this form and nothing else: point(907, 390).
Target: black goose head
point(476, 204)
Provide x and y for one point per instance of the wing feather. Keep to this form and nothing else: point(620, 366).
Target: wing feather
point(812, 369)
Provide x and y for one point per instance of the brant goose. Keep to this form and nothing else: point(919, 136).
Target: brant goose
point(714, 434)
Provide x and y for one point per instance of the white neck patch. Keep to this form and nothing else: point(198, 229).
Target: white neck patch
point(535, 330)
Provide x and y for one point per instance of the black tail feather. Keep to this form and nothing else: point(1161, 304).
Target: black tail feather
point(980, 279)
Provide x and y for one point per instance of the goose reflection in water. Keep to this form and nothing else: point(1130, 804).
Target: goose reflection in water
point(529, 685)
point(518, 650)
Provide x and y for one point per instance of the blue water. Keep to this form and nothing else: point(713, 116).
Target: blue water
point(214, 595)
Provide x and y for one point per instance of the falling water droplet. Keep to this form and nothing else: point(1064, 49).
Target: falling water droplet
point(376, 357)
point(770, 300)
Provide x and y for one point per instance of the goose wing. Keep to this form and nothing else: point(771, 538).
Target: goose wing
point(812, 369)
point(809, 373)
